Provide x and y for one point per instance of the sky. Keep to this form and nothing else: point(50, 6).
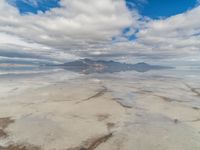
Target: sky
point(57, 31)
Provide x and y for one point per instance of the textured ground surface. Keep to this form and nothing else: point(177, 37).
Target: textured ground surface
point(125, 111)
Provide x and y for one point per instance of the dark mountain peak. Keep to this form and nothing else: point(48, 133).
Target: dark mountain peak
point(88, 66)
point(86, 60)
point(142, 63)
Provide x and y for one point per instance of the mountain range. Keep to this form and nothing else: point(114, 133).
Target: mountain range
point(88, 66)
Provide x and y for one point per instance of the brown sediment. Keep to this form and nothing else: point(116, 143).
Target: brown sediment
point(4, 122)
point(176, 121)
point(77, 116)
point(93, 143)
point(3, 134)
point(144, 92)
point(194, 90)
point(19, 147)
point(196, 108)
point(121, 104)
point(14, 89)
point(102, 117)
point(98, 94)
point(168, 99)
point(110, 125)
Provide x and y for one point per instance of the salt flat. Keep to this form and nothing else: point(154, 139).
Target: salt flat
point(122, 111)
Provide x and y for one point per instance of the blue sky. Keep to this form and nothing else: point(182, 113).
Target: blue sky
point(30, 6)
point(151, 8)
point(161, 8)
point(124, 30)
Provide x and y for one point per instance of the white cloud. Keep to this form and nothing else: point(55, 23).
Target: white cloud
point(177, 36)
point(78, 26)
point(86, 28)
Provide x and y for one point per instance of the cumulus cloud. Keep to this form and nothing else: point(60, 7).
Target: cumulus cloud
point(76, 27)
point(94, 29)
point(177, 35)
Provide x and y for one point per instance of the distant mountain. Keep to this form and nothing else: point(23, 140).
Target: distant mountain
point(88, 66)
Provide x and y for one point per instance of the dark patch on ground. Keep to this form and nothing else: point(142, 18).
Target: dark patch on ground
point(102, 117)
point(92, 144)
point(98, 94)
point(196, 108)
point(123, 105)
point(193, 90)
point(176, 121)
point(3, 134)
point(14, 89)
point(4, 122)
point(19, 147)
point(110, 125)
point(168, 99)
point(194, 120)
point(144, 92)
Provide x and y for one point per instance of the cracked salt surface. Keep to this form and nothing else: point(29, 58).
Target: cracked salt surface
point(63, 110)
